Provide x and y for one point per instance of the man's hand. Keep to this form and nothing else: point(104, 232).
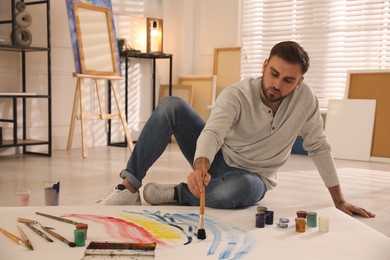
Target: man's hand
point(196, 184)
point(346, 207)
point(351, 209)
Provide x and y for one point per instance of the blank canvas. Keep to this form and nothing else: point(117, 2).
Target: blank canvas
point(349, 127)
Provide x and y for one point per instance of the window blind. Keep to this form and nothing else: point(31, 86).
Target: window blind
point(128, 8)
point(339, 35)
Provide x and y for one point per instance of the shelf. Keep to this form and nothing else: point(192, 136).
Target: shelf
point(22, 95)
point(7, 47)
point(21, 109)
point(152, 55)
point(19, 142)
point(35, 2)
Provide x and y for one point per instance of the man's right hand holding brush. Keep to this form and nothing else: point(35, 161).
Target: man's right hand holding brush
point(195, 182)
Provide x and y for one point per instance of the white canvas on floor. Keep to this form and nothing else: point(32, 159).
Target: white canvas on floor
point(349, 127)
point(231, 234)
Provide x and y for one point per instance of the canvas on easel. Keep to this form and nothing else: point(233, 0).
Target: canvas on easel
point(96, 42)
point(97, 54)
point(73, 33)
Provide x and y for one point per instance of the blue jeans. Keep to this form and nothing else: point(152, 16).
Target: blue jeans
point(229, 187)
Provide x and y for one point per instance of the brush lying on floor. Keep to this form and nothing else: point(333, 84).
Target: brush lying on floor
point(201, 229)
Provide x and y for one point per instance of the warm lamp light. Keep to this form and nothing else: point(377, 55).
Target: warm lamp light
point(154, 35)
point(154, 29)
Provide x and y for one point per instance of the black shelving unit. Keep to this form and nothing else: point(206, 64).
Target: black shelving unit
point(21, 93)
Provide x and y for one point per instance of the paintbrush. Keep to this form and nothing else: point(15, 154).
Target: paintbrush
point(29, 222)
point(79, 225)
point(201, 229)
point(25, 238)
point(58, 236)
point(58, 218)
point(13, 237)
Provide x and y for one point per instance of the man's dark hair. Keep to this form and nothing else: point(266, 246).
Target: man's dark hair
point(291, 52)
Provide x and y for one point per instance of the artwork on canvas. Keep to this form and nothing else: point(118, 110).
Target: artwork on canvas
point(90, 63)
point(174, 229)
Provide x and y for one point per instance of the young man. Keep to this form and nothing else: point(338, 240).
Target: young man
point(247, 138)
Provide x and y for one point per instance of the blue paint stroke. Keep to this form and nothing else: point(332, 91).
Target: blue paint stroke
point(212, 226)
point(187, 224)
point(232, 242)
point(234, 235)
point(248, 245)
point(217, 228)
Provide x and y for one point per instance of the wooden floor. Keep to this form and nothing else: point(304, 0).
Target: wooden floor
point(84, 181)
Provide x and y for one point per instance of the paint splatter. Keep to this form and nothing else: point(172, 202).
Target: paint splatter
point(167, 219)
point(158, 229)
point(121, 229)
point(167, 230)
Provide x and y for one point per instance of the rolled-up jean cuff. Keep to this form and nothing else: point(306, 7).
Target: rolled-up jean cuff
point(130, 177)
point(179, 196)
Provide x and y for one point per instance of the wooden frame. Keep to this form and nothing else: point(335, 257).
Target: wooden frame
point(202, 89)
point(96, 40)
point(183, 91)
point(374, 84)
point(227, 67)
point(151, 45)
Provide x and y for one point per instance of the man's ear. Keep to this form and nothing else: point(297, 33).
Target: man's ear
point(265, 63)
point(300, 80)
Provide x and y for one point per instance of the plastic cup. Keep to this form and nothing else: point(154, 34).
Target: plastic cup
point(52, 193)
point(23, 196)
point(323, 224)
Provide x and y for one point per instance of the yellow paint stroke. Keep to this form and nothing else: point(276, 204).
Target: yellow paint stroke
point(157, 229)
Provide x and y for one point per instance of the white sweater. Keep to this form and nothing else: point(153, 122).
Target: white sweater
point(254, 139)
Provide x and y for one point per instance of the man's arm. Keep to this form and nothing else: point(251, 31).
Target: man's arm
point(343, 205)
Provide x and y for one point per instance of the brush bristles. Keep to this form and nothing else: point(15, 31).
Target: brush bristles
point(201, 234)
point(201, 231)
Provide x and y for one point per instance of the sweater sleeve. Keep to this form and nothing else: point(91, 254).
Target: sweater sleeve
point(222, 118)
point(318, 146)
point(327, 169)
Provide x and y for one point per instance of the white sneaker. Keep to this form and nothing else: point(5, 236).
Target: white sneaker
point(155, 193)
point(121, 196)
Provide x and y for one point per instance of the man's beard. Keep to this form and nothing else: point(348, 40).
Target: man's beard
point(271, 94)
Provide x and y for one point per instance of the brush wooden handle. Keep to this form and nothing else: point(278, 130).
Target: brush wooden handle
point(58, 218)
point(25, 220)
point(14, 238)
point(37, 231)
point(202, 203)
point(59, 237)
point(25, 238)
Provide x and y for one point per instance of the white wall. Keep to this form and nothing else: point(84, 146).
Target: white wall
point(192, 29)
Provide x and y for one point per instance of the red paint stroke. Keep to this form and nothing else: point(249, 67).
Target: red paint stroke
point(121, 229)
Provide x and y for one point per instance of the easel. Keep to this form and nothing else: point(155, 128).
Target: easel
point(78, 99)
point(97, 58)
